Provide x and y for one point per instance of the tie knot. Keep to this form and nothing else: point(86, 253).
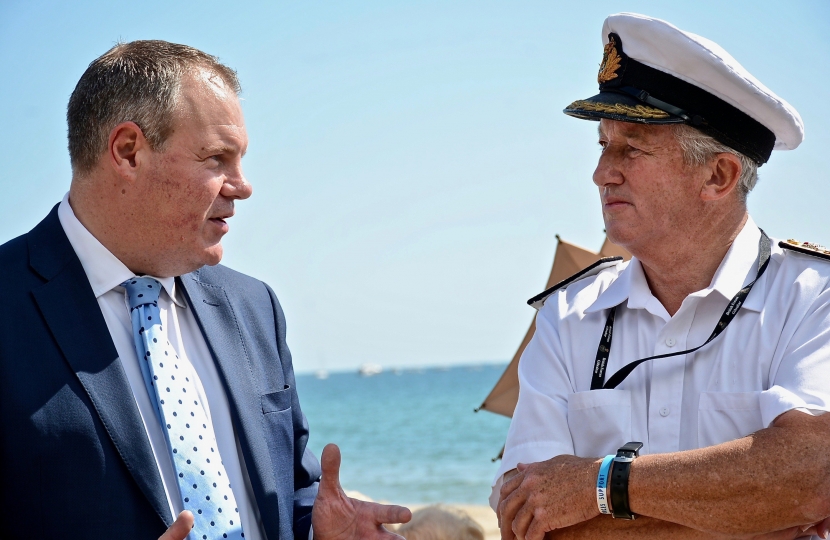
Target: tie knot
point(142, 291)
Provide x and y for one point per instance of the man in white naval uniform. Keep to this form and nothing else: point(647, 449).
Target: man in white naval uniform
point(727, 440)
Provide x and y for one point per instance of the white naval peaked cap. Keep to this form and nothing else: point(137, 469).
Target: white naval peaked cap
point(653, 72)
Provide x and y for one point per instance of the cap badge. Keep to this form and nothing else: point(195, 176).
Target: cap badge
point(610, 61)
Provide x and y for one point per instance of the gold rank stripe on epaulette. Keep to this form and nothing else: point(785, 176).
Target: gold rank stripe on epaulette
point(606, 262)
point(808, 248)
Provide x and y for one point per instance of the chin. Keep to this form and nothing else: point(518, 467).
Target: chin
point(213, 255)
point(620, 235)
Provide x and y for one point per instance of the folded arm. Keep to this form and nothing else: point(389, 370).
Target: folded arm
point(773, 480)
point(646, 528)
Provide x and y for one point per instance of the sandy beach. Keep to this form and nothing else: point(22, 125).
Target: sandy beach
point(482, 514)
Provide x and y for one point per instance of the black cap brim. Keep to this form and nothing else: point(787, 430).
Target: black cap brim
point(619, 106)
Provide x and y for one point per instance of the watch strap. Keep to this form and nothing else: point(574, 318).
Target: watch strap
point(618, 481)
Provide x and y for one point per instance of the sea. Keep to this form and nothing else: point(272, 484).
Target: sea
point(409, 436)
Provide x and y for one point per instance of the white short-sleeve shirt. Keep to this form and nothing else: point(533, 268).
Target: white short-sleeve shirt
point(772, 358)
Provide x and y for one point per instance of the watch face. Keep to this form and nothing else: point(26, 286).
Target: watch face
point(631, 448)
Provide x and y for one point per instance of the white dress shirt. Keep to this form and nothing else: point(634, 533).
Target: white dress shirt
point(772, 358)
point(106, 273)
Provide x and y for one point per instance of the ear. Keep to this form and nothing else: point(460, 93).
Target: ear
point(725, 171)
point(126, 149)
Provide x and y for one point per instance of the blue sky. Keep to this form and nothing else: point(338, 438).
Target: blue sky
point(410, 161)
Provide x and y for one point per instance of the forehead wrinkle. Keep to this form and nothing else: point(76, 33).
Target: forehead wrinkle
point(630, 130)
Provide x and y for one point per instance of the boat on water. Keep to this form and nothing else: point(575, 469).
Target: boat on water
point(368, 370)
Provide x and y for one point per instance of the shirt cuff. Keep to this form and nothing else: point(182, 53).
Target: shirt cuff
point(778, 400)
point(494, 494)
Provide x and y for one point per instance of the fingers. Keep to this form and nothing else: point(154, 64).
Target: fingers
point(330, 464)
point(522, 522)
point(510, 484)
point(386, 513)
point(506, 491)
point(386, 534)
point(536, 531)
point(180, 528)
point(509, 507)
point(786, 534)
point(823, 528)
point(507, 513)
point(506, 528)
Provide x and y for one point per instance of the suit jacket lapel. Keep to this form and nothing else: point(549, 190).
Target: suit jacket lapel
point(216, 318)
point(64, 300)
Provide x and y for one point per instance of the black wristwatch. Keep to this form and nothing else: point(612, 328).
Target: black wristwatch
point(619, 479)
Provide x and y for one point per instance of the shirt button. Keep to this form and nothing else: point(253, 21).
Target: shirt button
point(670, 342)
point(664, 411)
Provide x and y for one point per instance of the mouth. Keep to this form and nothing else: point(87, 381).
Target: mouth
point(221, 221)
point(613, 203)
point(223, 216)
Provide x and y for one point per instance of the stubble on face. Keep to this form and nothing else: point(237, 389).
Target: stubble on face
point(184, 199)
point(648, 194)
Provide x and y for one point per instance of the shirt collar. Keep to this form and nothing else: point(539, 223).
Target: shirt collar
point(736, 270)
point(739, 267)
point(632, 285)
point(103, 269)
point(617, 291)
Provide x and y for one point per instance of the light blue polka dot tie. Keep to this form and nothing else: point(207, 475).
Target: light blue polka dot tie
point(203, 483)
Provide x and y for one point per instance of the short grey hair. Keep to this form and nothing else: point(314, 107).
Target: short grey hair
point(136, 82)
point(699, 148)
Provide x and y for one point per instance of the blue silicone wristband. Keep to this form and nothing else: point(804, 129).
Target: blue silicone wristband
point(602, 485)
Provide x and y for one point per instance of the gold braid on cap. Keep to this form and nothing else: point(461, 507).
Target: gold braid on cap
point(610, 62)
point(636, 111)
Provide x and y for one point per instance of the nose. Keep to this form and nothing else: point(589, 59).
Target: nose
point(236, 186)
point(607, 171)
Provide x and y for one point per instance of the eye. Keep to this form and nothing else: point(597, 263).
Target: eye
point(214, 161)
point(633, 151)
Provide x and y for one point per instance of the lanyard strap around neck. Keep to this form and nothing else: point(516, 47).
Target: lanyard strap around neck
point(598, 380)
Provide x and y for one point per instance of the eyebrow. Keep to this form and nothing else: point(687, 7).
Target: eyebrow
point(223, 149)
point(629, 133)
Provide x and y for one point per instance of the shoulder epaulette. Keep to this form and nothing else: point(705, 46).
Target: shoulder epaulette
point(808, 248)
point(606, 262)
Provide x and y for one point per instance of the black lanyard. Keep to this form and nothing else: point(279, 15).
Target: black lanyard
point(729, 313)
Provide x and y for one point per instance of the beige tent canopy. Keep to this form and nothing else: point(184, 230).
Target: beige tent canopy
point(568, 260)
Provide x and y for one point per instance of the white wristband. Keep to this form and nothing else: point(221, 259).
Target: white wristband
point(602, 485)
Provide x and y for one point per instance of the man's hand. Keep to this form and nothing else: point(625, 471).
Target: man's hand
point(180, 528)
point(545, 496)
point(822, 529)
point(338, 517)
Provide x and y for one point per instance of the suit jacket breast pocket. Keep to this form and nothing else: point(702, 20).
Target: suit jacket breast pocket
point(599, 421)
point(276, 401)
point(279, 432)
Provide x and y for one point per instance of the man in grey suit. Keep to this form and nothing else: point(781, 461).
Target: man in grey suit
point(156, 139)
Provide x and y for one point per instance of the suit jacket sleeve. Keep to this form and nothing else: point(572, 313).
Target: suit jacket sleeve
point(306, 467)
